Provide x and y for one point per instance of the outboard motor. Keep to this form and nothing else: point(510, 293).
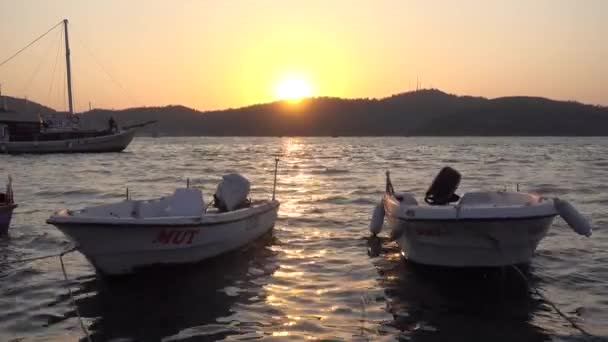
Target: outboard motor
point(444, 186)
point(232, 192)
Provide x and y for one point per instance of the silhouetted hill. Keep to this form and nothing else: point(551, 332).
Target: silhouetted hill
point(425, 112)
point(23, 106)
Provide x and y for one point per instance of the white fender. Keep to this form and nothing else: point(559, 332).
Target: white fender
point(375, 225)
point(575, 220)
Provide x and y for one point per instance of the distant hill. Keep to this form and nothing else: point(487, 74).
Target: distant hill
point(424, 112)
point(24, 107)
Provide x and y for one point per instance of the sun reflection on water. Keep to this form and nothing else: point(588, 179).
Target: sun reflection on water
point(314, 280)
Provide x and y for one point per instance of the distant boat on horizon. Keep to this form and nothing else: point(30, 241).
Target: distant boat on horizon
point(59, 133)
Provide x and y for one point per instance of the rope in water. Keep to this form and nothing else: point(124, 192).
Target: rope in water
point(559, 312)
point(65, 277)
point(73, 300)
point(11, 262)
point(538, 293)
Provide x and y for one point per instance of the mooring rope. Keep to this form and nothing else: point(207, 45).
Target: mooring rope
point(363, 299)
point(559, 312)
point(12, 262)
point(538, 293)
point(72, 298)
point(65, 277)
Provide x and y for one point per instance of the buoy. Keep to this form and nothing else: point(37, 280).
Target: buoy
point(375, 225)
point(575, 220)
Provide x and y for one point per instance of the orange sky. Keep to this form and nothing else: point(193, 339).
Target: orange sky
point(212, 54)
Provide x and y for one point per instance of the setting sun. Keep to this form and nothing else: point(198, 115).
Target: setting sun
point(293, 88)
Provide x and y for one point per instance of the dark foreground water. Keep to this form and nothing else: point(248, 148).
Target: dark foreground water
point(317, 276)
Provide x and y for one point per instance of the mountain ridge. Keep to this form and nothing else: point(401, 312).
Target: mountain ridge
point(422, 112)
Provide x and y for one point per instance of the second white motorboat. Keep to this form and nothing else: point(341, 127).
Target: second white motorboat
point(119, 238)
point(486, 228)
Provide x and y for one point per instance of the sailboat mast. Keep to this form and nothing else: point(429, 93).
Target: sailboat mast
point(68, 66)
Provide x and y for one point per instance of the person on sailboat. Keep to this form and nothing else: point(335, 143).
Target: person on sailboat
point(43, 123)
point(113, 125)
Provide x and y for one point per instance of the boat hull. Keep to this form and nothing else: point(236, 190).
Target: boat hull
point(471, 243)
point(115, 250)
point(6, 214)
point(453, 237)
point(116, 142)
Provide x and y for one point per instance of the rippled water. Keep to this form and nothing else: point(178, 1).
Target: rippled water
point(317, 276)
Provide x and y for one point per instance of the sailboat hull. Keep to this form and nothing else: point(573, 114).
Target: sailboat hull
point(105, 143)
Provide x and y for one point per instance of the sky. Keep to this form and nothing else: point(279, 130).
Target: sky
point(231, 53)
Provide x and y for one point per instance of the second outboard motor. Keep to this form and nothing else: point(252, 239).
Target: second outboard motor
point(444, 186)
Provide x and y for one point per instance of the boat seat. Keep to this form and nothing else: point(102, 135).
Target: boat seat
point(151, 208)
point(497, 198)
point(186, 202)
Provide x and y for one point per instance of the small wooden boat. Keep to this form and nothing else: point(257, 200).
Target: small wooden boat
point(7, 205)
point(120, 238)
point(481, 229)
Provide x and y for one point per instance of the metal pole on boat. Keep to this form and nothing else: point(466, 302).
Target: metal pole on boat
point(9, 190)
point(274, 186)
point(127, 193)
point(187, 182)
point(68, 66)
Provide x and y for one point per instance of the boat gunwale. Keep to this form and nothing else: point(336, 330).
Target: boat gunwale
point(44, 142)
point(57, 146)
point(512, 217)
point(186, 221)
point(489, 219)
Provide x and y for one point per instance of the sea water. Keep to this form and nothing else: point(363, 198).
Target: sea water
point(317, 275)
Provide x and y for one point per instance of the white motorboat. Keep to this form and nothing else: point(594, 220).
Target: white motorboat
point(481, 229)
point(119, 238)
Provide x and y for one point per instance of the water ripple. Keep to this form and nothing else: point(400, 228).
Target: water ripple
point(316, 276)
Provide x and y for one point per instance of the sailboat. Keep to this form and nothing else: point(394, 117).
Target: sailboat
point(22, 134)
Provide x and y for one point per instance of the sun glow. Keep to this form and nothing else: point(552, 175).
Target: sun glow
point(293, 89)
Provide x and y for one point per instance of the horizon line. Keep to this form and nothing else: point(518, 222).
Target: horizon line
point(318, 97)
